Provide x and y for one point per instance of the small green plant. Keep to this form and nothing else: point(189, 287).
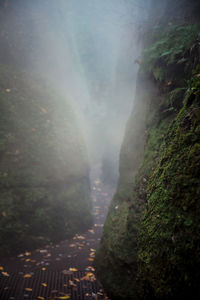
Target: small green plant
point(169, 46)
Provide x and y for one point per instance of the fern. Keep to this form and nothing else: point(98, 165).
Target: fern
point(169, 46)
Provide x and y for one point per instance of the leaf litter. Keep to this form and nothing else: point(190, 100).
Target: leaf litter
point(41, 258)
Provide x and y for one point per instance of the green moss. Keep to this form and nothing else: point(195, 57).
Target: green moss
point(117, 253)
point(169, 240)
point(151, 230)
point(117, 261)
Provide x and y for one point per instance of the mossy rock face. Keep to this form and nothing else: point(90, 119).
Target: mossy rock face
point(169, 242)
point(44, 179)
point(150, 244)
point(116, 257)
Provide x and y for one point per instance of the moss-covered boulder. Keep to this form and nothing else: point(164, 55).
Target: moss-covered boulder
point(44, 173)
point(150, 244)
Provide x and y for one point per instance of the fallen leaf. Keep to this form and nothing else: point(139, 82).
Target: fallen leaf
point(44, 284)
point(1, 268)
point(91, 259)
point(39, 297)
point(20, 255)
point(73, 269)
point(27, 253)
point(71, 283)
point(28, 289)
point(27, 275)
point(89, 276)
point(64, 297)
point(5, 274)
point(43, 269)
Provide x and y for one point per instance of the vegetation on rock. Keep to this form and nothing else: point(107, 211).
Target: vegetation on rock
point(150, 244)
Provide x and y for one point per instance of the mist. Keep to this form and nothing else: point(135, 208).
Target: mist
point(88, 51)
point(99, 149)
point(68, 72)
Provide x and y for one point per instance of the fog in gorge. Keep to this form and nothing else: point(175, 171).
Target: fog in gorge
point(105, 38)
point(99, 149)
point(87, 50)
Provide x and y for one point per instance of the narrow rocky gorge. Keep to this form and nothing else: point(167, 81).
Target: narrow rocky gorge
point(71, 75)
point(150, 244)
